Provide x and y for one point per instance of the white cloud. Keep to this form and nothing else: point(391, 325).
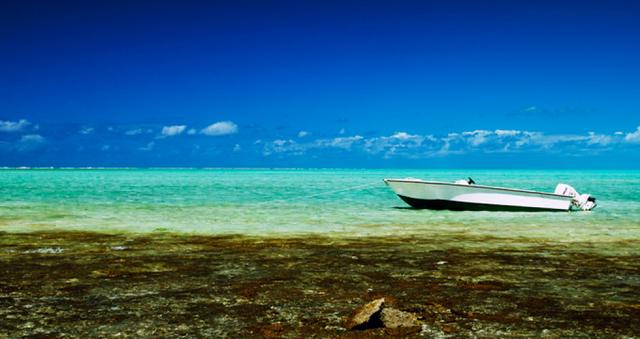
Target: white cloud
point(477, 137)
point(526, 138)
point(342, 131)
point(30, 142)
point(169, 131)
point(147, 147)
point(87, 130)
point(192, 131)
point(398, 143)
point(302, 134)
point(403, 136)
point(453, 143)
point(32, 138)
point(506, 132)
point(293, 147)
point(552, 140)
point(599, 139)
point(237, 148)
point(220, 128)
point(137, 131)
point(403, 144)
point(633, 136)
point(13, 126)
point(341, 142)
point(281, 142)
point(284, 146)
point(618, 133)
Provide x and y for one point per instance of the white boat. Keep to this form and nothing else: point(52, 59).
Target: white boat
point(465, 195)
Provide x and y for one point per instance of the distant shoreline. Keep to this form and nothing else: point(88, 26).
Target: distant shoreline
point(305, 168)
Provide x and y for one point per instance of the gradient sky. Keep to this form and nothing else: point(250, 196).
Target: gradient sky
point(514, 84)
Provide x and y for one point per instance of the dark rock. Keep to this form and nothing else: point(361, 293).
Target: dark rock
point(366, 316)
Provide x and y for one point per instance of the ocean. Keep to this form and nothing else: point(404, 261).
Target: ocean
point(293, 252)
point(293, 202)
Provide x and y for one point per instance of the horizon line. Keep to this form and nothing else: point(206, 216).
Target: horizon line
point(26, 168)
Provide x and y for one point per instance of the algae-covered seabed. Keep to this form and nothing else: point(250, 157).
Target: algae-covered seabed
point(71, 284)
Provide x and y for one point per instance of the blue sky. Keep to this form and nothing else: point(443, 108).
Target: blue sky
point(540, 84)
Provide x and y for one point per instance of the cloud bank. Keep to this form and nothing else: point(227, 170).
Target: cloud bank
point(403, 144)
point(148, 143)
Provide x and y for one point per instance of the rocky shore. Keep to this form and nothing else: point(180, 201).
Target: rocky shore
point(90, 284)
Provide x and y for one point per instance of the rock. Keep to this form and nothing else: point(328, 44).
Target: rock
point(376, 315)
point(392, 318)
point(366, 316)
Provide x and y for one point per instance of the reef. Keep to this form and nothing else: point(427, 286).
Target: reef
point(72, 284)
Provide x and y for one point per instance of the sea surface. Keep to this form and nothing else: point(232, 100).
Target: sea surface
point(328, 202)
point(352, 202)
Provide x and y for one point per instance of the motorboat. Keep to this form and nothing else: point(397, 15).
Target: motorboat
point(466, 195)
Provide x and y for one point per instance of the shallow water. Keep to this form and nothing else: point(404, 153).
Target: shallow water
point(289, 202)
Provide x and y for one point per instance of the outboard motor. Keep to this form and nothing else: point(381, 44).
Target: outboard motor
point(584, 202)
point(465, 182)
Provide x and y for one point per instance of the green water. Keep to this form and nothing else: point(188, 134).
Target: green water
point(293, 202)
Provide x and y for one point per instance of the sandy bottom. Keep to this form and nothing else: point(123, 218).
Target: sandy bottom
point(90, 284)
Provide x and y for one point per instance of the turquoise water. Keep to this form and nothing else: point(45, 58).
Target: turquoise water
point(293, 202)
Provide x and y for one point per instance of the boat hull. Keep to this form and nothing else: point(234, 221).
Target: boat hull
point(458, 197)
